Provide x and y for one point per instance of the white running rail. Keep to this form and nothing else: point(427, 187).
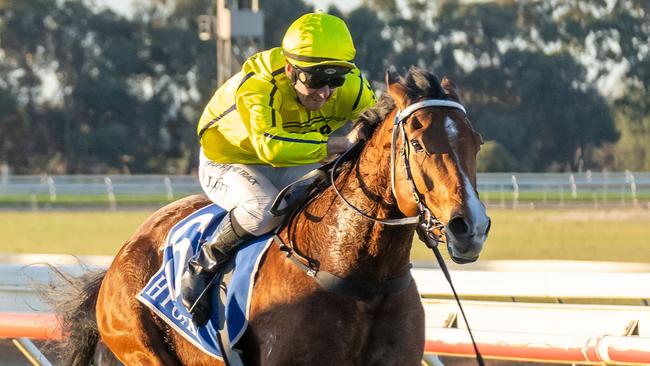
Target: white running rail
point(544, 332)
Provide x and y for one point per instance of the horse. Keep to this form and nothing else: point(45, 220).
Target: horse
point(417, 169)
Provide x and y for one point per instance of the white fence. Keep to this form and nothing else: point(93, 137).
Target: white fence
point(565, 189)
point(516, 190)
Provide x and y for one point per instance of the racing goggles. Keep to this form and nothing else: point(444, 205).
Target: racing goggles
point(320, 76)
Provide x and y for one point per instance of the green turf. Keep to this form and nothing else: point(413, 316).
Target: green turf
point(75, 232)
point(605, 235)
point(597, 235)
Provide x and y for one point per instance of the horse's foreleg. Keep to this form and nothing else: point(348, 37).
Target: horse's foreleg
point(397, 333)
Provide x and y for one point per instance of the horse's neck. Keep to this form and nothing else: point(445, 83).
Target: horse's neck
point(345, 242)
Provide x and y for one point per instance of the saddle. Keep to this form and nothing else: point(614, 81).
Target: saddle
point(227, 323)
point(230, 299)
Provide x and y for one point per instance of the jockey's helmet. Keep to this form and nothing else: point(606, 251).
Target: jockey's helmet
point(318, 39)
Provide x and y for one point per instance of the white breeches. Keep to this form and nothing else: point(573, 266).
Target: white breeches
point(248, 190)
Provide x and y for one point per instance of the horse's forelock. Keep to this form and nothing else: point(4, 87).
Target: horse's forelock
point(420, 84)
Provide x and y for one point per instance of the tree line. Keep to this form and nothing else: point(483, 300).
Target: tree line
point(552, 86)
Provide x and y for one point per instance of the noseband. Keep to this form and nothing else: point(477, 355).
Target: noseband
point(425, 218)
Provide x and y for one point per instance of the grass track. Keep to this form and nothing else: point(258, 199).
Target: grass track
point(595, 235)
point(605, 235)
point(74, 232)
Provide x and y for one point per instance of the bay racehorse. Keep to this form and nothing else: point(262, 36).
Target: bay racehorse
point(418, 167)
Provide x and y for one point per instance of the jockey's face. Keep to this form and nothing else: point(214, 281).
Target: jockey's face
point(312, 99)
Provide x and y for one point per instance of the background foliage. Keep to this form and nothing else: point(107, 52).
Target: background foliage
point(552, 85)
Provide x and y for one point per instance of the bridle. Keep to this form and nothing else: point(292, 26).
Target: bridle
point(425, 219)
point(427, 222)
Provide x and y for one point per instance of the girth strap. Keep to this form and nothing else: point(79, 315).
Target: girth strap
point(351, 287)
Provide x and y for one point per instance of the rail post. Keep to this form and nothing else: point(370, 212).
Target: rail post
point(515, 192)
point(574, 187)
point(51, 189)
point(111, 193)
point(168, 189)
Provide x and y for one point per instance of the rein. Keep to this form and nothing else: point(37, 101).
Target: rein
point(426, 220)
point(391, 222)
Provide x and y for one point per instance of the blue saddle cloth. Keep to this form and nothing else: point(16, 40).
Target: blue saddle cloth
point(229, 318)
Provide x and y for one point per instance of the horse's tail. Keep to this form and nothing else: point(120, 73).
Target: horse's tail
point(74, 300)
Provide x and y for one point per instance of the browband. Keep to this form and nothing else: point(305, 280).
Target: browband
point(402, 115)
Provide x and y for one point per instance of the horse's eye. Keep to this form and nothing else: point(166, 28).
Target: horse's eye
point(416, 146)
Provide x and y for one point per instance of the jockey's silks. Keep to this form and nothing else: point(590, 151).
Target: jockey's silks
point(255, 117)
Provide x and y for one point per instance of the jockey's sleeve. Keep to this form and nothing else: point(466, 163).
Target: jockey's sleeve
point(271, 142)
point(360, 96)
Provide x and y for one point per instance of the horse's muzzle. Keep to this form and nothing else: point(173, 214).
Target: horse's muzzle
point(463, 251)
point(464, 239)
point(461, 260)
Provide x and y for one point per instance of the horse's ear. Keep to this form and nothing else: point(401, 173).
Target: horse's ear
point(396, 90)
point(450, 88)
point(391, 75)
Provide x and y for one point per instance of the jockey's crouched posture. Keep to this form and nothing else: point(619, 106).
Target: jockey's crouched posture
point(267, 126)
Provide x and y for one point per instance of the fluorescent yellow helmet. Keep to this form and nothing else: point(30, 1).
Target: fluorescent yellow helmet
point(317, 39)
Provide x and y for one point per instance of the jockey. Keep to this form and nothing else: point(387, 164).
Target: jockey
point(267, 126)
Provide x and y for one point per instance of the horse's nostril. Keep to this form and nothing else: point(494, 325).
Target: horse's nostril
point(458, 226)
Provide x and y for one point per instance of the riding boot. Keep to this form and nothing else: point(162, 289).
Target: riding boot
point(204, 265)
